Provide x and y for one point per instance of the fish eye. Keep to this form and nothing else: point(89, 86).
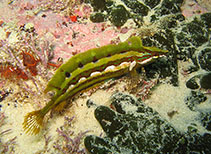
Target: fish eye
point(67, 74)
point(122, 52)
point(80, 65)
point(109, 55)
point(94, 60)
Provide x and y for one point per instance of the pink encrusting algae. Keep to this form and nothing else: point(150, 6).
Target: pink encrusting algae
point(191, 7)
point(45, 36)
point(68, 36)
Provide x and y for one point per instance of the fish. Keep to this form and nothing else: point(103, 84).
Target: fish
point(86, 69)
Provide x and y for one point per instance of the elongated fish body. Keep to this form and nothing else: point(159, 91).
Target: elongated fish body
point(93, 55)
point(86, 69)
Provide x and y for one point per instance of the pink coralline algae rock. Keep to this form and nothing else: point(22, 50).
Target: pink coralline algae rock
point(191, 7)
point(72, 37)
point(68, 37)
point(83, 37)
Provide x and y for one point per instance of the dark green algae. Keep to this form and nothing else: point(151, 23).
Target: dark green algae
point(170, 13)
point(132, 9)
point(142, 130)
point(134, 128)
point(117, 14)
point(204, 82)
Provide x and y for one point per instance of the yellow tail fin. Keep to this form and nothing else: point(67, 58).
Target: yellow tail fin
point(33, 122)
point(60, 106)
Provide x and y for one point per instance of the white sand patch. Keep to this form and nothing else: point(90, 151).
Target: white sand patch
point(14, 122)
point(168, 99)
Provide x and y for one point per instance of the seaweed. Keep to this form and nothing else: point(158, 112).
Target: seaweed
point(67, 144)
point(28, 57)
point(6, 147)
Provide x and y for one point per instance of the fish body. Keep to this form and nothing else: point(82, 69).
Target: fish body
point(86, 69)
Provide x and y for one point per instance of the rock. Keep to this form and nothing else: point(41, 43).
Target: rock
point(206, 17)
point(97, 17)
point(98, 4)
point(136, 128)
point(119, 15)
point(136, 7)
point(163, 67)
point(205, 81)
point(166, 7)
point(206, 120)
point(194, 99)
point(192, 35)
point(192, 84)
point(205, 58)
point(151, 3)
point(132, 128)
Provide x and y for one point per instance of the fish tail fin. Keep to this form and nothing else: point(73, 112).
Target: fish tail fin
point(33, 122)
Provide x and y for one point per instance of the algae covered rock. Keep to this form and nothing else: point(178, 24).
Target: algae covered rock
point(136, 7)
point(98, 4)
point(132, 128)
point(205, 59)
point(163, 67)
point(192, 36)
point(206, 120)
point(192, 84)
point(205, 81)
point(97, 17)
point(151, 3)
point(119, 16)
point(194, 99)
point(206, 17)
point(164, 8)
point(119, 12)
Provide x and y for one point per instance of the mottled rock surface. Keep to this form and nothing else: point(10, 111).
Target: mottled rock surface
point(136, 128)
